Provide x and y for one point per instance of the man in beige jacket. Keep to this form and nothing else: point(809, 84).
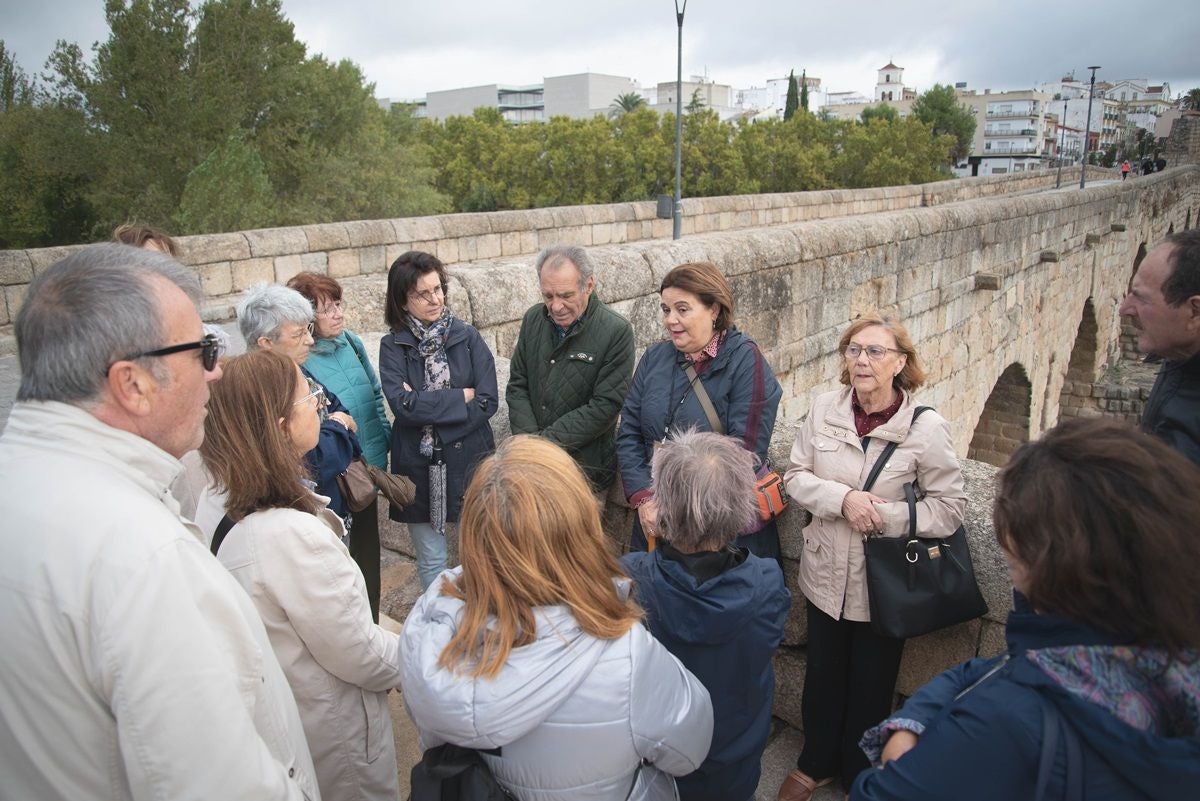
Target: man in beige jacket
point(133, 665)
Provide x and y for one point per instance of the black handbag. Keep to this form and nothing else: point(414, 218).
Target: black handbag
point(916, 585)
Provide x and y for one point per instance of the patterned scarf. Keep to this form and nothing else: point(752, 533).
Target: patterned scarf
point(431, 343)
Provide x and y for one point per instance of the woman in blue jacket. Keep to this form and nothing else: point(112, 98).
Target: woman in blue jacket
point(439, 378)
point(1098, 696)
point(339, 361)
point(697, 313)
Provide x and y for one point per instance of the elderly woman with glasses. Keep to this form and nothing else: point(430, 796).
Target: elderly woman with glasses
point(339, 361)
point(440, 380)
point(279, 319)
point(717, 607)
point(851, 670)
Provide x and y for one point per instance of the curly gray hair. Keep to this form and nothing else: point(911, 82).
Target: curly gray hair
point(703, 485)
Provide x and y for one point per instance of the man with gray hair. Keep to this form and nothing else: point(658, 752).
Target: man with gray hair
point(133, 664)
point(571, 366)
point(1164, 306)
point(718, 608)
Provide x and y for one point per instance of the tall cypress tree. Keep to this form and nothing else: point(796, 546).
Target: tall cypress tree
point(793, 97)
point(803, 90)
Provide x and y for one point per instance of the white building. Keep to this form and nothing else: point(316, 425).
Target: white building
point(580, 96)
point(889, 90)
point(765, 102)
point(889, 85)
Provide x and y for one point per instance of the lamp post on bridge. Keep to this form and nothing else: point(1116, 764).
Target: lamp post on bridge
point(1087, 131)
point(1062, 142)
point(677, 212)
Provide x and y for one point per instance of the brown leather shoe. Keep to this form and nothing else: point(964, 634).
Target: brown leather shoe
point(799, 786)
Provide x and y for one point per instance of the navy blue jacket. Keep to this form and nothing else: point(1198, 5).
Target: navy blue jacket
point(987, 744)
point(335, 448)
point(739, 382)
point(725, 631)
point(462, 427)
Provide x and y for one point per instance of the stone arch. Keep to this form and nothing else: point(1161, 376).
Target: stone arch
point(1004, 422)
point(1077, 388)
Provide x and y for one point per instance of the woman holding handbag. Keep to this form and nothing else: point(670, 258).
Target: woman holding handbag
point(440, 380)
point(851, 670)
point(339, 361)
point(709, 376)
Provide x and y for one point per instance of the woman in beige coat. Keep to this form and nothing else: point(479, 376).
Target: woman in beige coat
point(851, 670)
point(286, 550)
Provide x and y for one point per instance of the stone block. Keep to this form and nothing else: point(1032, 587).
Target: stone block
point(370, 233)
point(927, 656)
point(500, 292)
point(216, 279)
point(789, 684)
point(43, 258)
point(343, 263)
point(510, 243)
point(328, 236)
point(207, 248)
point(277, 241)
point(14, 296)
point(364, 298)
point(248, 272)
point(487, 246)
point(15, 267)
point(315, 263)
point(987, 281)
point(373, 259)
point(447, 250)
point(286, 267)
point(418, 229)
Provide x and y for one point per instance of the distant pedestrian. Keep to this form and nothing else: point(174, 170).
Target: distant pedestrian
point(1160, 164)
point(1124, 169)
point(1147, 167)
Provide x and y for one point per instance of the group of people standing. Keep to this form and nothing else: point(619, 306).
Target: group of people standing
point(574, 673)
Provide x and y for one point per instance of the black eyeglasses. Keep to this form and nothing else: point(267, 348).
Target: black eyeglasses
point(209, 346)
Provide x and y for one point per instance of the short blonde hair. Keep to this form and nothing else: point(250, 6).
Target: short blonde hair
point(913, 375)
point(530, 536)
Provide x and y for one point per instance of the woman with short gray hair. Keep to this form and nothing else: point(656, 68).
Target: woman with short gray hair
point(717, 607)
point(273, 317)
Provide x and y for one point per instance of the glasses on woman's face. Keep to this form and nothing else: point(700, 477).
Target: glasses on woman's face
point(300, 334)
point(331, 309)
point(874, 352)
point(316, 393)
point(430, 296)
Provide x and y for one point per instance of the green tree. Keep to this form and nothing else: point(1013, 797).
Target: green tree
point(803, 89)
point(784, 156)
point(939, 108)
point(625, 103)
point(1191, 99)
point(881, 111)
point(228, 191)
point(15, 87)
point(793, 97)
point(696, 104)
point(889, 152)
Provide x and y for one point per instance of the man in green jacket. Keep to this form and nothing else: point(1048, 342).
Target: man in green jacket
point(572, 364)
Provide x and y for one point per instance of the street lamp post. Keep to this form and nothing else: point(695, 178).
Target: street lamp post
point(677, 227)
point(1062, 141)
point(1087, 131)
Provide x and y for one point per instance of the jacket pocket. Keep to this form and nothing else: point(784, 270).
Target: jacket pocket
point(376, 714)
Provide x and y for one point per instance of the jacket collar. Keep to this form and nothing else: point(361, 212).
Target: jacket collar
point(839, 421)
point(67, 429)
point(731, 344)
point(323, 346)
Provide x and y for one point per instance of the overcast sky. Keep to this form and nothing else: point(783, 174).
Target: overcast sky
point(408, 48)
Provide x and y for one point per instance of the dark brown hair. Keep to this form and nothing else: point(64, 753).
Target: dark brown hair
point(316, 287)
point(406, 270)
point(1103, 518)
point(246, 450)
point(705, 281)
point(912, 376)
point(138, 235)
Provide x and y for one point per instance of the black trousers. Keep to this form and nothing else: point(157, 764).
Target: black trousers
point(364, 550)
point(849, 684)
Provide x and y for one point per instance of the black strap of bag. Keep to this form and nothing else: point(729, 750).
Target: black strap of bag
point(888, 450)
point(452, 773)
point(219, 535)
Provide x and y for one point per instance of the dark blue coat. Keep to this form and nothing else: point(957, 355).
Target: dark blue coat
point(739, 381)
point(725, 631)
point(462, 427)
point(987, 745)
point(335, 448)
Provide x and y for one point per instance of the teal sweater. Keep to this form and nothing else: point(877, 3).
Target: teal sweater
point(341, 364)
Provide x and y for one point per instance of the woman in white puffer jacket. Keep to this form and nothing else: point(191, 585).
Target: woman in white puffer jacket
point(534, 646)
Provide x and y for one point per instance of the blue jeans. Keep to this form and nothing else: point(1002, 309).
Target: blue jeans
point(431, 552)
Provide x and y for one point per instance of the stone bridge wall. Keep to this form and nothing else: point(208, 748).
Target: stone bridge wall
point(229, 263)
